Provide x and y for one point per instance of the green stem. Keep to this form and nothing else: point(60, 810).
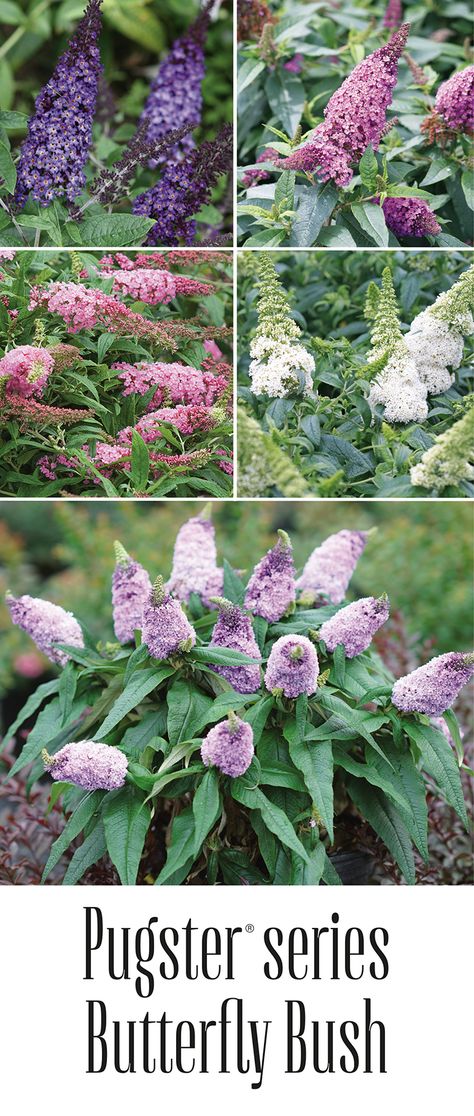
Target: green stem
point(20, 31)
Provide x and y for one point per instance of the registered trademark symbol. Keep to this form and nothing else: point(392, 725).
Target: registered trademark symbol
point(250, 928)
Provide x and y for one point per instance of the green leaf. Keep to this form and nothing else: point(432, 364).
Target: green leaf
point(439, 760)
point(13, 121)
point(274, 818)
point(237, 869)
point(315, 761)
point(385, 820)
point(452, 722)
point(143, 683)
point(48, 730)
point(257, 716)
point(339, 664)
point(285, 189)
point(467, 183)
point(222, 656)
point(34, 701)
point(286, 97)
point(140, 463)
point(67, 690)
point(91, 850)
point(372, 774)
point(137, 738)
point(126, 821)
point(234, 588)
point(7, 169)
point(11, 13)
point(206, 807)
point(368, 169)
point(116, 230)
point(180, 854)
point(248, 73)
point(314, 205)
point(371, 219)
point(85, 811)
point(188, 708)
point(309, 875)
point(407, 781)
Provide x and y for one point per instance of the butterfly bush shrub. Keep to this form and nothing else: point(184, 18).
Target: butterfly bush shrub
point(115, 373)
point(355, 126)
point(142, 160)
point(227, 737)
point(375, 398)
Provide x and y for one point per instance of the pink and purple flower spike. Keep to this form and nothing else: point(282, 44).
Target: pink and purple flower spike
point(131, 588)
point(355, 625)
point(234, 630)
point(271, 589)
point(292, 666)
point(229, 746)
point(47, 624)
point(432, 688)
point(165, 627)
point(88, 764)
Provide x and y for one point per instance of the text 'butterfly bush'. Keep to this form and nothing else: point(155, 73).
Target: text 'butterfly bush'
point(355, 116)
point(54, 153)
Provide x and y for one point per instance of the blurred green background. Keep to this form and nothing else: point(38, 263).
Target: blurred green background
point(421, 555)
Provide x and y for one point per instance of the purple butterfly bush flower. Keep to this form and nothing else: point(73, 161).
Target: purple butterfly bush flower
point(88, 764)
point(329, 568)
point(234, 630)
point(355, 625)
point(183, 189)
point(175, 92)
point(292, 666)
point(229, 746)
point(54, 153)
point(271, 589)
point(295, 64)
point(195, 568)
point(432, 688)
point(393, 14)
point(165, 627)
point(47, 624)
point(455, 101)
point(410, 217)
point(131, 588)
point(355, 116)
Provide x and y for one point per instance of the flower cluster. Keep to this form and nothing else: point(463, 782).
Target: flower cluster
point(24, 371)
point(165, 626)
point(393, 14)
point(175, 92)
point(195, 568)
point(410, 217)
point(271, 588)
point(253, 177)
point(47, 624)
point(329, 568)
point(355, 625)
point(436, 337)
point(450, 461)
point(229, 746)
point(355, 116)
point(234, 630)
point(88, 764)
point(183, 189)
point(455, 101)
point(187, 419)
point(279, 366)
point(397, 387)
point(174, 383)
point(32, 413)
point(432, 688)
point(131, 587)
point(54, 154)
point(83, 308)
point(154, 285)
point(292, 667)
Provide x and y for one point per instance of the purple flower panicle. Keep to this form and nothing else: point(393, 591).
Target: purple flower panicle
point(234, 630)
point(183, 188)
point(88, 764)
point(165, 628)
point(54, 153)
point(229, 746)
point(292, 666)
point(329, 568)
point(455, 101)
point(195, 568)
point(47, 624)
point(175, 92)
point(355, 625)
point(393, 14)
point(410, 217)
point(355, 116)
point(271, 589)
point(131, 588)
point(432, 688)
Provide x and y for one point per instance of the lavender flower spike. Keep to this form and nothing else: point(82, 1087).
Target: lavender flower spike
point(329, 568)
point(165, 628)
point(55, 151)
point(234, 630)
point(88, 764)
point(355, 625)
point(195, 568)
point(455, 101)
point(432, 688)
point(175, 92)
point(355, 116)
point(47, 624)
point(271, 589)
point(292, 666)
point(393, 14)
point(131, 588)
point(229, 746)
